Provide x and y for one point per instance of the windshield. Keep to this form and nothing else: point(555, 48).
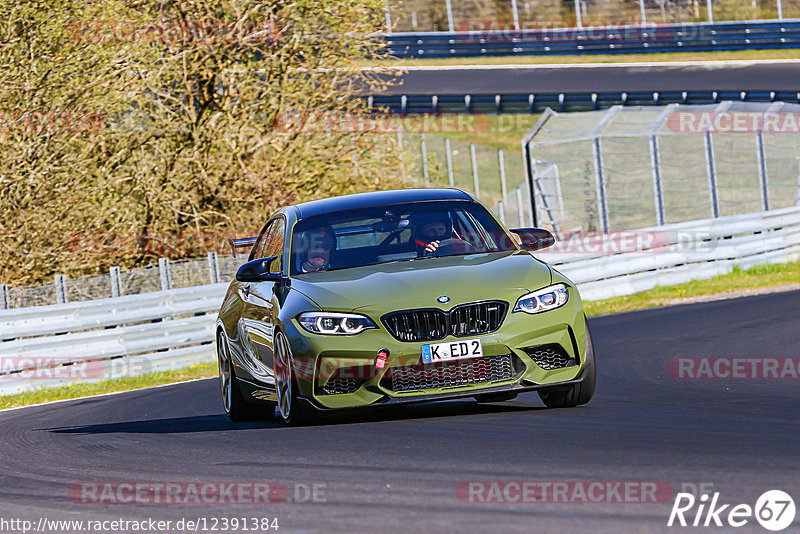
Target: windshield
point(401, 232)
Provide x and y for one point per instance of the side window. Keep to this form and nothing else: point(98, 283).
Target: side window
point(273, 245)
point(258, 249)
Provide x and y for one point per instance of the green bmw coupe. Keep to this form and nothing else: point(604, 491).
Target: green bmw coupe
point(396, 297)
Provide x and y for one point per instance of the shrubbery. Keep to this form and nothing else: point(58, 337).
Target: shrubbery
point(153, 118)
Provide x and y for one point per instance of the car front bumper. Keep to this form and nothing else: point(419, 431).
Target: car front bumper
point(318, 359)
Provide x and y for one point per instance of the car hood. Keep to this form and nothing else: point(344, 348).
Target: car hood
point(417, 284)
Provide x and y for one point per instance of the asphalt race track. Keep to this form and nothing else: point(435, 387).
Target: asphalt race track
point(778, 75)
point(398, 470)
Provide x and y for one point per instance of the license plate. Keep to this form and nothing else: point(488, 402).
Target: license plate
point(452, 350)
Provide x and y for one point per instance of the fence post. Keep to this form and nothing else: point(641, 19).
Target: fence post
point(424, 149)
point(642, 12)
point(712, 174)
point(61, 289)
point(503, 191)
point(116, 281)
point(388, 17)
point(578, 20)
point(533, 186)
point(475, 180)
point(166, 276)
point(600, 178)
point(515, 14)
point(501, 211)
point(710, 11)
point(530, 212)
point(213, 268)
point(780, 10)
point(520, 209)
point(449, 6)
point(5, 301)
point(449, 158)
point(798, 180)
point(658, 189)
point(762, 170)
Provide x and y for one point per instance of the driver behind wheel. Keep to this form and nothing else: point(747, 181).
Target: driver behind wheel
point(315, 249)
point(430, 229)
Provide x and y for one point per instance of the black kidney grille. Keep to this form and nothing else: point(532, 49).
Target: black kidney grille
point(464, 320)
point(417, 325)
point(477, 318)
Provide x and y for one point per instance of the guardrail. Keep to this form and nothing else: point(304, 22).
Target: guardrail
point(96, 340)
point(685, 251)
point(626, 39)
point(538, 102)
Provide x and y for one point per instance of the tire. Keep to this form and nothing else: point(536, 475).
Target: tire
point(235, 406)
point(495, 397)
point(576, 394)
point(292, 410)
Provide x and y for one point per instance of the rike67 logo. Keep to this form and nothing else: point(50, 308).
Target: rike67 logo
point(774, 510)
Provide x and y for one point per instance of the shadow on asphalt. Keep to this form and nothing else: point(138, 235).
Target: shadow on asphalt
point(210, 423)
point(172, 425)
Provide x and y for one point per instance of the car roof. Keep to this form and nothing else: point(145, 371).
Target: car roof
point(377, 198)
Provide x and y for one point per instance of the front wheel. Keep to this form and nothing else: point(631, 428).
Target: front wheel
point(291, 409)
point(579, 393)
point(575, 395)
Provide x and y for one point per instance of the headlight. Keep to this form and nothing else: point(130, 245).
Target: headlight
point(335, 323)
point(546, 299)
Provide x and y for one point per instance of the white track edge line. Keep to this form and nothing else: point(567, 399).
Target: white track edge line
point(58, 401)
point(539, 66)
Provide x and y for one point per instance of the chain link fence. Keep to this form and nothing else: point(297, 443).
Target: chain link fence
point(493, 16)
point(624, 168)
point(494, 175)
point(159, 277)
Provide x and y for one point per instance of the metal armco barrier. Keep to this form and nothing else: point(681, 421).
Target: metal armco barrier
point(687, 37)
point(688, 251)
point(89, 341)
point(163, 330)
point(538, 102)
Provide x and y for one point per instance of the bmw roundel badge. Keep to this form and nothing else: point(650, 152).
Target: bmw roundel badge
point(444, 299)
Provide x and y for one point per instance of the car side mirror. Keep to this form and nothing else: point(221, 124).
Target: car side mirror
point(534, 238)
point(258, 271)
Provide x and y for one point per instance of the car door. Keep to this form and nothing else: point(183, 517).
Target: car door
point(261, 304)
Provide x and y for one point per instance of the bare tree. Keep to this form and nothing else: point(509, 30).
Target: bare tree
point(154, 119)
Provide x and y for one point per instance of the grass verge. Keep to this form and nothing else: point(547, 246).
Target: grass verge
point(740, 55)
point(497, 131)
point(759, 277)
point(738, 280)
point(75, 391)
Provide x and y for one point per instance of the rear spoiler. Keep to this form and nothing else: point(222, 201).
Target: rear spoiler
point(239, 244)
